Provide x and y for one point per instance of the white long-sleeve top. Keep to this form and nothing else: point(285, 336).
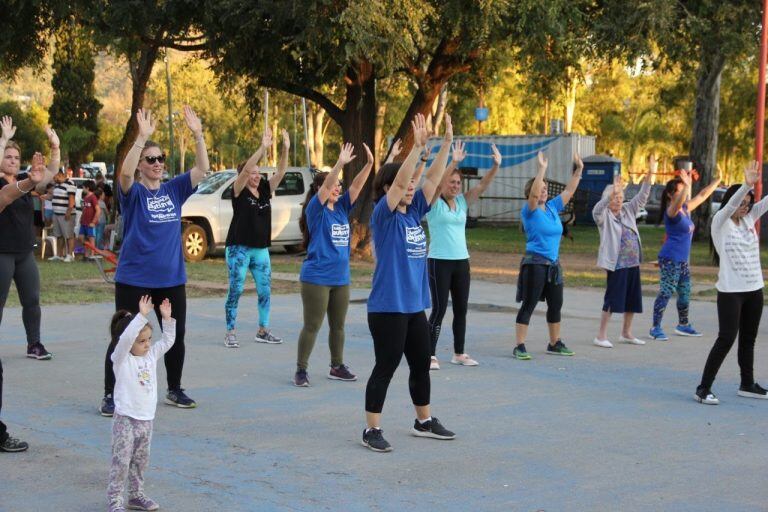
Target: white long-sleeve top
point(738, 246)
point(136, 376)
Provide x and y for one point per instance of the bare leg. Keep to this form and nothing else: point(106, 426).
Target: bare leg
point(605, 317)
point(626, 329)
point(373, 419)
point(521, 332)
point(554, 332)
point(422, 412)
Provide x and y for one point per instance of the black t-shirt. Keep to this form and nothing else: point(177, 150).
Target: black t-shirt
point(17, 223)
point(252, 217)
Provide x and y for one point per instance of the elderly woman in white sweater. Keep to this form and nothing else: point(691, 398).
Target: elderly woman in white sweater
point(620, 255)
point(739, 286)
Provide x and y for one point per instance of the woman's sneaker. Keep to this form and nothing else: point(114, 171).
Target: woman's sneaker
point(463, 360)
point(657, 334)
point(433, 429)
point(434, 364)
point(301, 379)
point(37, 351)
point(230, 340)
point(373, 438)
point(705, 396)
point(341, 372)
point(178, 398)
point(686, 330)
point(11, 444)
point(268, 337)
point(559, 349)
point(107, 407)
point(142, 502)
point(519, 352)
point(753, 391)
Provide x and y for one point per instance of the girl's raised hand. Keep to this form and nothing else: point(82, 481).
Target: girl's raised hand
point(397, 148)
point(542, 160)
point(459, 153)
point(751, 173)
point(496, 155)
point(37, 169)
point(448, 128)
point(165, 309)
point(145, 305)
point(685, 177)
point(577, 161)
point(368, 154)
point(8, 130)
point(266, 139)
point(347, 153)
point(53, 139)
point(420, 132)
point(286, 139)
point(193, 122)
point(146, 125)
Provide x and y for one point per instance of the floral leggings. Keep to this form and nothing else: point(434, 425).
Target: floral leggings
point(130, 456)
point(675, 277)
point(241, 260)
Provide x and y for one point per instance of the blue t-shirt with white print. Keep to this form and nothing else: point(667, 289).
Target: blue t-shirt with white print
point(400, 283)
point(151, 256)
point(327, 261)
point(543, 228)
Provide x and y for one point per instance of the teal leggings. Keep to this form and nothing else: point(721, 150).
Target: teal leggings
point(241, 259)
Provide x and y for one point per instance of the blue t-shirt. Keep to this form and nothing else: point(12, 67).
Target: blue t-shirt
point(400, 282)
point(327, 261)
point(543, 229)
point(679, 229)
point(151, 255)
point(447, 239)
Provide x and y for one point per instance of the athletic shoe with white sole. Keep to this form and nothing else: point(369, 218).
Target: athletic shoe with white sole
point(433, 363)
point(519, 352)
point(657, 334)
point(559, 349)
point(753, 391)
point(686, 330)
point(463, 360)
point(432, 428)
point(705, 396)
point(373, 438)
point(230, 340)
point(180, 399)
point(268, 337)
point(341, 372)
point(301, 379)
point(631, 341)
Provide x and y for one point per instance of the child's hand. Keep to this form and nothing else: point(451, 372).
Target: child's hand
point(145, 305)
point(165, 309)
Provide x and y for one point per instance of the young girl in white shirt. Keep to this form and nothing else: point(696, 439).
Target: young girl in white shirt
point(739, 286)
point(134, 361)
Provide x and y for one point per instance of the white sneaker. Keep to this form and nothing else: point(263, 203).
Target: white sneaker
point(230, 340)
point(602, 343)
point(68, 258)
point(268, 337)
point(433, 364)
point(463, 359)
point(631, 341)
point(54, 258)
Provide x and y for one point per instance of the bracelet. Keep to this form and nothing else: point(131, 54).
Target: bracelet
point(23, 191)
point(137, 145)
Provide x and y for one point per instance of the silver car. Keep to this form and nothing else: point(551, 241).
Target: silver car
point(206, 215)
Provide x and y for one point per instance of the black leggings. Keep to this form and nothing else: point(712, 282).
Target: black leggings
point(22, 270)
point(127, 297)
point(449, 276)
point(538, 286)
point(395, 334)
point(737, 313)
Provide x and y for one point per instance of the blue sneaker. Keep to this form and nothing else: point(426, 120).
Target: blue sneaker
point(657, 334)
point(180, 399)
point(686, 330)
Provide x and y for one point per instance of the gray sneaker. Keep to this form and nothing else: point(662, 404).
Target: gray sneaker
point(268, 337)
point(142, 502)
point(230, 340)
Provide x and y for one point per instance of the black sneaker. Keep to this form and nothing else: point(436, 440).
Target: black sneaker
point(559, 349)
point(11, 444)
point(753, 391)
point(432, 428)
point(301, 379)
point(519, 352)
point(341, 372)
point(705, 396)
point(107, 407)
point(373, 438)
point(178, 398)
point(37, 351)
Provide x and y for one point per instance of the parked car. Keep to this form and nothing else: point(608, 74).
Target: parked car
point(717, 200)
point(206, 215)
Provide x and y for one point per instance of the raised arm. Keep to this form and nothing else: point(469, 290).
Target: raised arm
point(538, 182)
point(475, 192)
point(397, 148)
point(598, 212)
point(405, 174)
point(680, 196)
point(457, 156)
point(436, 171)
point(359, 182)
point(573, 184)
point(126, 340)
point(55, 162)
point(169, 330)
point(726, 211)
point(704, 193)
point(282, 165)
point(641, 198)
point(12, 191)
point(345, 156)
point(131, 160)
point(760, 207)
point(253, 161)
point(7, 131)
point(197, 173)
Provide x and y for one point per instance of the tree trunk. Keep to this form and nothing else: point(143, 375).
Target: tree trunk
point(141, 71)
point(438, 112)
point(706, 119)
point(318, 119)
point(311, 139)
point(378, 137)
point(421, 103)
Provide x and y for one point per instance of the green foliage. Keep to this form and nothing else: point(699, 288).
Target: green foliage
point(30, 127)
point(24, 35)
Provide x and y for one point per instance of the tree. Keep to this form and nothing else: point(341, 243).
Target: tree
point(26, 27)
point(30, 127)
point(75, 109)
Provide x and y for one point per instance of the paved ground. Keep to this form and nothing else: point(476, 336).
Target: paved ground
point(605, 430)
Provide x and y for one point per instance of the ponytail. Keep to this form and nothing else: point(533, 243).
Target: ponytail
point(317, 182)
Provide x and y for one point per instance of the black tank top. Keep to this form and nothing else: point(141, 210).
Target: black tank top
point(17, 223)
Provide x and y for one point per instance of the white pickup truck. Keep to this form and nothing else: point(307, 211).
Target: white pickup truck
point(206, 215)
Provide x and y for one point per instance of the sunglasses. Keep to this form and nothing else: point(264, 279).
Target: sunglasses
point(152, 159)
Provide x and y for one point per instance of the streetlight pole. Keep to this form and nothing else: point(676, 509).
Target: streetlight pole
point(760, 121)
point(171, 165)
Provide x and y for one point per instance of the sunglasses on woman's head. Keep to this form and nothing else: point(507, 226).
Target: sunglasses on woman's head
point(152, 159)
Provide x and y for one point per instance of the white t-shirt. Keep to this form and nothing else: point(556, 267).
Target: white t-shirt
point(738, 246)
point(136, 376)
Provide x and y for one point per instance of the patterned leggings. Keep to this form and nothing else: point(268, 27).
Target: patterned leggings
point(240, 260)
point(675, 277)
point(130, 456)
